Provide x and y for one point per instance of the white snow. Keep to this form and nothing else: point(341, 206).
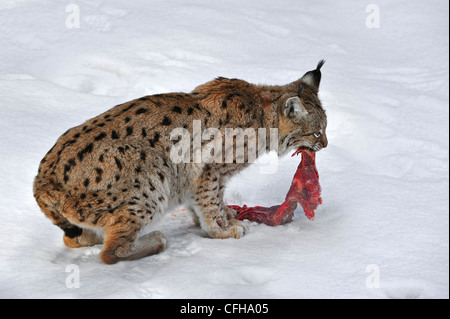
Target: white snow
point(384, 175)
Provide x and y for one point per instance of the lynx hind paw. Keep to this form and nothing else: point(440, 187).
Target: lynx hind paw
point(82, 238)
point(156, 239)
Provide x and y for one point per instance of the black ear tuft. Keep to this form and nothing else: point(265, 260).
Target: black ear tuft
point(321, 63)
point(312, 78)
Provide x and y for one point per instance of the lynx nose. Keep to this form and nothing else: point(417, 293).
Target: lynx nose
point(324, 141)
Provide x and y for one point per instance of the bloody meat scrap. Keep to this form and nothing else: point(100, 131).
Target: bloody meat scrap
point(305, 190)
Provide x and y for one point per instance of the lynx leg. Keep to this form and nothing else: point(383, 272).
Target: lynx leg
point(74, 236)
point(122, 242)
point(215, 218)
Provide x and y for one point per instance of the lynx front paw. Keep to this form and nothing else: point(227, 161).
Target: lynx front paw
point(233, 229)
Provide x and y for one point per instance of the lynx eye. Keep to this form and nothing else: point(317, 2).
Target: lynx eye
point(317, 135)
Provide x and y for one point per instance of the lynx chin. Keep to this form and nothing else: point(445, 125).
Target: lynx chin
point(107, 178)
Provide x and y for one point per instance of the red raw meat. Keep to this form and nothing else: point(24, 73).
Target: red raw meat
point(305, 190)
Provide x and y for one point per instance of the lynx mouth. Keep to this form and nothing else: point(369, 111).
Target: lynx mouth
point(293, 144)
point(306, 148)
point(314, 148)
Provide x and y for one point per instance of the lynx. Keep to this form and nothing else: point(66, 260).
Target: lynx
point(104, 180)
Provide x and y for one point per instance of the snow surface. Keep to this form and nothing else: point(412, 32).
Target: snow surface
point(384, 175)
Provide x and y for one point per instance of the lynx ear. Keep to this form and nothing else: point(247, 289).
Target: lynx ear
point(293, 108)
point(312, 78)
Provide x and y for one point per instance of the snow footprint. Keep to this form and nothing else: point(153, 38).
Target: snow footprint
point(403, 288)
point(98, 22)
point(405, 292)
point(186, 251)
point(248, 275)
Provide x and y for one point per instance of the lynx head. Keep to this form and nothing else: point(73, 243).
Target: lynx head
point(302, 121)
